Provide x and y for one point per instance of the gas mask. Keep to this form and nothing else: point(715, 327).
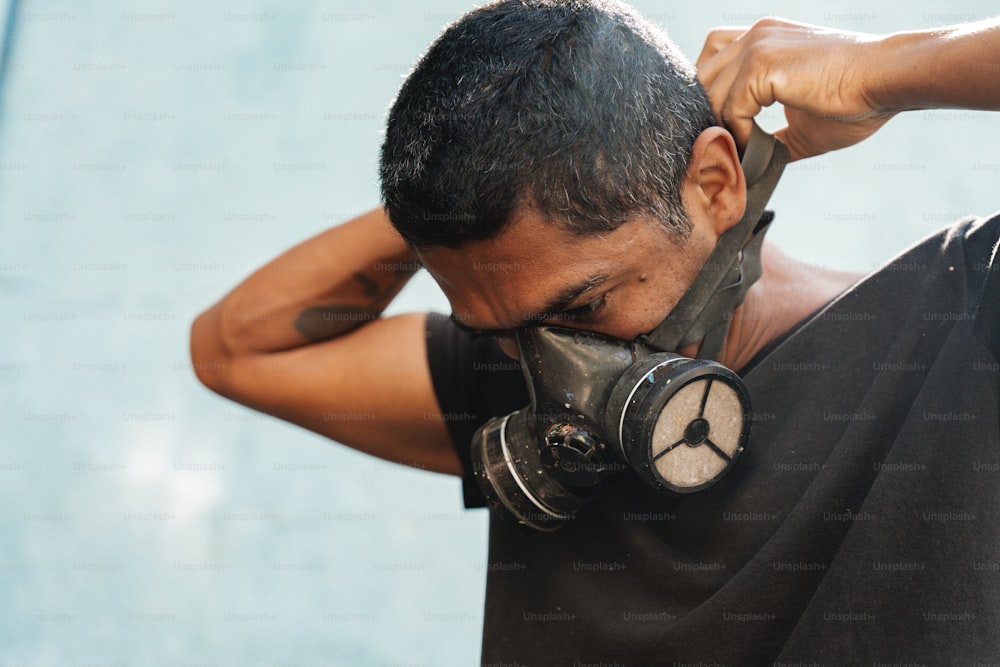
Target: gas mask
point(601, 405)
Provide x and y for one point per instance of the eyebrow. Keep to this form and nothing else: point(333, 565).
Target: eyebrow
point(560, 302)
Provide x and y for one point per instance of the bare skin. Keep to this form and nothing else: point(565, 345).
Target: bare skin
point(302, 338)
point(644, 270)
point(350, 376)
point(839, 87)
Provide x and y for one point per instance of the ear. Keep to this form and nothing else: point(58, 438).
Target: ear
point(715, 190)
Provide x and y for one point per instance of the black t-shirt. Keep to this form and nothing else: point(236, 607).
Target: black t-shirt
point(861, 526)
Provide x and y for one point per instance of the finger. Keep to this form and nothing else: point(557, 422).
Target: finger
point(791, 144)
point(746, 97)
point(808, 135)
point(718, 85)
point(717, 40)
point(730, 58)
point(798, 148)
point(726, 88)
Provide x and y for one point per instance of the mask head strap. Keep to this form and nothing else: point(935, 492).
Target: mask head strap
point(734, 265)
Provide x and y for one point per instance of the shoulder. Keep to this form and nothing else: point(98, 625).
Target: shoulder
point(950, 277)
point(963, 252)
point(981, 240)
point(963, 256)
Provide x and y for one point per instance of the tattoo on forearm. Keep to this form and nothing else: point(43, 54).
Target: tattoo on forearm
point(322, 322)
point(370, 288)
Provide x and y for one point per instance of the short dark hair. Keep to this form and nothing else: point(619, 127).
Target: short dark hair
point(580, 110)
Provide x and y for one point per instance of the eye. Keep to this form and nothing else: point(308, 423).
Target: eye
point(583, 312)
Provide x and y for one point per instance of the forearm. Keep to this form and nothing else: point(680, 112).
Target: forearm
point(324, 287)
point(955, 67)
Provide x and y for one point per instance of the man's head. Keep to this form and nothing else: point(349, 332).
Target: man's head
point(579, 110)
point(548, 156)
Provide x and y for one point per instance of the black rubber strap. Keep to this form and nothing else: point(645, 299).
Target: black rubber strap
point(734, 265)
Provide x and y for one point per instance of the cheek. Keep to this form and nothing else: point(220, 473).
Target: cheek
point(643, 306)
point(630, 311)
point(641, 313)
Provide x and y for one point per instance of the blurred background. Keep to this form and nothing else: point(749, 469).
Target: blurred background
point(153, 154)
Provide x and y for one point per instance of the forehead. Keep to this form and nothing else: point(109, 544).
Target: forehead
point(529, 241)
point(487, 282)
point(501, 282)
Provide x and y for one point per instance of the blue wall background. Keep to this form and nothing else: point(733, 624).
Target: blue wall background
point(152, 154)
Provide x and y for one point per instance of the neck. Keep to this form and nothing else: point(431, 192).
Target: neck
point(788, 291)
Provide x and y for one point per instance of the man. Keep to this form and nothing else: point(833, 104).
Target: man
point(556, 163)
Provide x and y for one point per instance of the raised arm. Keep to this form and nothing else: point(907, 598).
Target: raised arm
point(302, 339)
point(839, 87)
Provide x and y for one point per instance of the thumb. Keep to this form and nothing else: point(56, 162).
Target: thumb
point(797, 150)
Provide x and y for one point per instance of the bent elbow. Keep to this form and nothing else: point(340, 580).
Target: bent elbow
point(209, 357)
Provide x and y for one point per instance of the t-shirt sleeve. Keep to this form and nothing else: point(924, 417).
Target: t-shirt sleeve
point(473, 381)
